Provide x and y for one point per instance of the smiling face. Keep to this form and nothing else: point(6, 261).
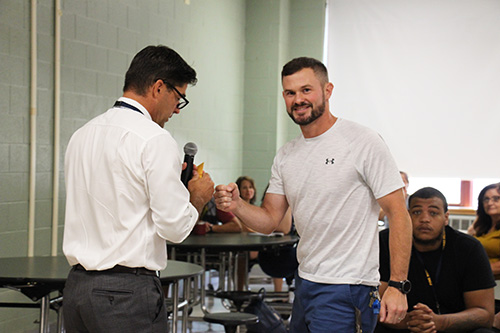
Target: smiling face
point(428, 218)
point(304, 96)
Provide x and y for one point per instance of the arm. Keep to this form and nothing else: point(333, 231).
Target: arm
point(495, 268)
point(286, 223)
point(233, 225)
point(264, 219)
point(393, 304)
point(402, 325)
point(471, 230)
point(423, 323)
point(479, 313)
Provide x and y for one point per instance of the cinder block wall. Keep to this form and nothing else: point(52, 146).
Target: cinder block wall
point(277, 31)
point(237, 47)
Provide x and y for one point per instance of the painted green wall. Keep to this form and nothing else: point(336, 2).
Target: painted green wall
point(236, 115)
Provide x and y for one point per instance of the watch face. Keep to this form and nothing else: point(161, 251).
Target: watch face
point(406, 286)
point(403, 286)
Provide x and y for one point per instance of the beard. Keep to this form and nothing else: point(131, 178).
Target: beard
point(315, 113)
point(431, 241)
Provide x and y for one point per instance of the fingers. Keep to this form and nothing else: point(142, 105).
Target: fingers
point(423, 308)
point(394, 306)
point(224, 195)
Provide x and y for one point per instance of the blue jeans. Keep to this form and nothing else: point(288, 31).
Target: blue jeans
point(331, 307)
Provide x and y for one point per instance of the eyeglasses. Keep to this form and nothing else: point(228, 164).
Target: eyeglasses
point(494, 199)
point(183, 100)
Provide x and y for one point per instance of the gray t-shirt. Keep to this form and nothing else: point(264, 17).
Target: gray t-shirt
point(332, 182)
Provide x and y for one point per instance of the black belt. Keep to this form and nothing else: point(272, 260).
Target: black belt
point(121, 269)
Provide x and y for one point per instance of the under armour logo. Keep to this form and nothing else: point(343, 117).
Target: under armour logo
point(332, 161)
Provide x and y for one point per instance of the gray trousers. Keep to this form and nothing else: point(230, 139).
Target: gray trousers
point(113, 302)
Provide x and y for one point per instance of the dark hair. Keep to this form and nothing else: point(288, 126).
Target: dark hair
point(248, 179)
point(428, 193)
point(297, 64)
point(157, 62)
point(484, 222)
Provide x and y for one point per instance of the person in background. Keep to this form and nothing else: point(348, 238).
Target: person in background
point(486, 227)
point(248, 193)
point(277, 263)
point(452, 284)
point(334, 176)
point(280, 263)
point(246, 185)
point(124, 199)
point(212, 216)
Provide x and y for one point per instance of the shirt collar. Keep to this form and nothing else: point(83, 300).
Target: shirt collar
point(137, 105)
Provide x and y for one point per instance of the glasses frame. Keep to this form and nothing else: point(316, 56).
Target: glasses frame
point(183, 102)
point(494, 199)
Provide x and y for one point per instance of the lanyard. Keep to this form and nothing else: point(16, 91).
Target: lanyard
point(438, 271)
point(122, 104)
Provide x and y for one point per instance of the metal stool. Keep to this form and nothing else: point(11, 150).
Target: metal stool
point(231, 320)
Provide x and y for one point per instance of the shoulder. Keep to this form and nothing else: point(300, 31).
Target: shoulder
point(462, 241)
point(290, 146)
point(357, 137)
point(353, 129)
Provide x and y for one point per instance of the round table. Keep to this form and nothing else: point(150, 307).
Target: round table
point(229, 242)
point(37, 277)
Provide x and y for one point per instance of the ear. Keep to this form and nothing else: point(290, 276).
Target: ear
point(328, 90)
point(156, 88)
point(447, 218)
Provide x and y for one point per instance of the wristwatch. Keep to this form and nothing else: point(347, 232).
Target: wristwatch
point(210, 228)
point(402, 286)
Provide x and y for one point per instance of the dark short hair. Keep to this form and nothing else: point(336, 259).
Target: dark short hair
point(428, 193)
point(241, 179)
point(157, 62)
point(484, 222)
point(297, 64)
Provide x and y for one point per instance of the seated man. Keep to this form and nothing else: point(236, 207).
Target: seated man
point(452, 282)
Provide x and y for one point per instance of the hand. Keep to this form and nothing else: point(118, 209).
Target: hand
point(422, 319)
point(393, 306)
point(201, 189)
point(227, 197)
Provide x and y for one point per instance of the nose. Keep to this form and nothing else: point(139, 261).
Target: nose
point(425, 217)
point(299, 98)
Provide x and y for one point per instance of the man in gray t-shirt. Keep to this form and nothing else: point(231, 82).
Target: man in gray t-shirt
point(334, 176)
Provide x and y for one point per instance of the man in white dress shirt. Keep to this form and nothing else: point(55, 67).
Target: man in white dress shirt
point(125, 199)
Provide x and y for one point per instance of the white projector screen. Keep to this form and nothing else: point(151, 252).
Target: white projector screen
point(425, 74)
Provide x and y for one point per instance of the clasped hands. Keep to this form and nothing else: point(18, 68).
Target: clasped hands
point(421, 319)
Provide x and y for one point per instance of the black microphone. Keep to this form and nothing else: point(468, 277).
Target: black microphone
point(190, 149)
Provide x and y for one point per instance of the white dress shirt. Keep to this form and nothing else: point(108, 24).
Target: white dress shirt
point(124, 196)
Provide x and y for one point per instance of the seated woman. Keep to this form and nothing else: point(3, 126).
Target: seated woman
point(486, 228)
point(246, 186)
